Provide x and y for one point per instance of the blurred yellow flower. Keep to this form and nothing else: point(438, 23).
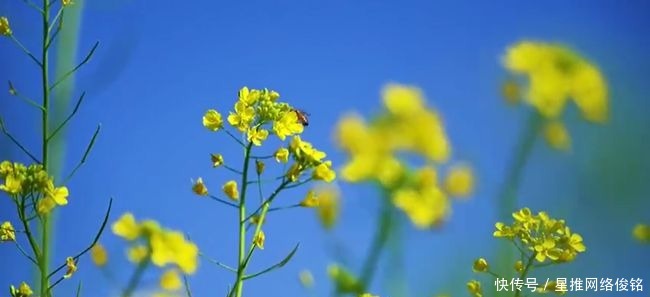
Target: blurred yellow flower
point(99, 255)
point(7, 232)
point(66, 2)
point(460, 181)
point(71, 267)
point(403, 100)
point(5, 29)
point(519, 266)
point(328, 205)
point(557, 136)
point(324, 172)
point(170, 247)
point(170, 280)
point(367, 295)
point(230, 189)
point(642, 233)
point(557, 75)
point(426, 208)
point(474, 288)
point(259, 240)
point(306, 278)
point(282, 155)
point(23, 290)
point(217, 160)
point(212, 120)
point(137, 253)
point(480, 265)
point(126, 227)
point(199, 188)
point(311, 200)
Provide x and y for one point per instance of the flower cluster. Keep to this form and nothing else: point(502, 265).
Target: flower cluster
point(376, 151)
point(547, 238)
point(642, 233)
point(22, 291)
point(5, 29)
point(150, 243)
point(556, 76)
point(21, 182)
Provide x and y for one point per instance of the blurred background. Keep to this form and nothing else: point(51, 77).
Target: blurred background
point(161, 64)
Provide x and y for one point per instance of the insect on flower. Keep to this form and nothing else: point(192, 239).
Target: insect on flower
point(302, 116)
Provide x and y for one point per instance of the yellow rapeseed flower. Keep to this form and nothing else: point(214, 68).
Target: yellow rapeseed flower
point(23, 290)
point(287, 125)
point(212, 120)
point(519, 266)
point(126, 227)
point(199, 188)
point(642, 233)
point(170, 280)
point(231, 190)
point(257, 135)
point(217, 160)
point(259, 167)
point(7, 232)
point(171, 247)
point(259, 240)
point(426, 208)
point(306, 278)
point(460, 181)
point(137, 253)
point(480, 265)
point(99, 255)
point(57, 194)
point(13, 184)
point(282, 155)
point(242, 117)
point(67, 2)
point(5, 29)
point(403, 100)
point(71, 267)
point(311, 200)
point(328, 205)
point(474, 288)
point(324, 172)
point(557, 136)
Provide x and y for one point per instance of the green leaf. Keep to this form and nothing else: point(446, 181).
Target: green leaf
point(276, 266)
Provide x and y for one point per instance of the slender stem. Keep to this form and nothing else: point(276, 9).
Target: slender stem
point(239, 284)
point(531, 259)
point(46, 223)
point(135, 278)
point(378, 244)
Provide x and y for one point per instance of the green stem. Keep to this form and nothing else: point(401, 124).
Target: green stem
point(524, 273)
point(239, 283)
point(378, 244)
point(136, 277)
point(46, 227)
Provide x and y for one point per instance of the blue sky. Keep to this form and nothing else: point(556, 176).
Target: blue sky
point(161, 64)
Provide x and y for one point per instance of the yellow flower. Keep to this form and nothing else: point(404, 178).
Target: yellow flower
point(98, 255)
point(474, 288)
point(44, 206)
point(328, 205)
point(519, 266)
point(71, 267)
point(58, 195)
point(403, 100)
point(546, 249)
point(212, 120)
point(171, 247)
point(590, 93)
point(345, 281)
point(459, 181)
point(23, 290)
point(480, 265)
point(287, 125)
point(170, 280)
point(5, 168)
point(367, 295)
point(13, 184)
point(199, 187)
point(259, 240)
point(311, 200)
point(257, 135)
point(138, 253)
point(282, 155)
point(7, 232)
point(294, 172)
point(249, 97)
point(324, 172)
point(557, 136)
point(642, 233)
point(126, 227)
point(306, 278)
point(66, 2)
point(230, 189)
point(5, 29)
point(425, 208)
point(259, 167)
point(217, 160)
point(242, 117)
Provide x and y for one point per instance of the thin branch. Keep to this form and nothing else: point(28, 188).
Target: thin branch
point(78, 290)
point(84, 61)
point(55, 19)
point(226, 202)
point(22, 251)
point(74, 111)
point(15, 92)
point(213, 261)
point(300, 183)
point(94, 242)
point(26, 51)
point(55, 34)
point(235, 138)
point(187, 286)
point(262, 157)
point(267, 201)
point(284, 207)
point(232, 169)
point(16, 142)
point(85, 156)
point(276, 266)
point(34, 6)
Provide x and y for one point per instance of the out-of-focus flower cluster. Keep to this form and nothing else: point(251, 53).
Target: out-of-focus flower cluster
point(547, 238)
point(151, 243)
point(377, 149)
point(21, 182)
point(556, 75)
point(642, 233)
